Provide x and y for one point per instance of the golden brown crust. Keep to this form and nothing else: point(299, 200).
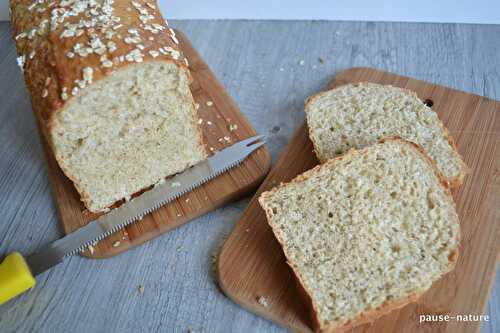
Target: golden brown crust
point(454, 182)
point(56, 51)
point(372, 315)
point(387, 307)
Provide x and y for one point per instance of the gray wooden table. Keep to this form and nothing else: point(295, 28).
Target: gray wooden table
point(260, 64)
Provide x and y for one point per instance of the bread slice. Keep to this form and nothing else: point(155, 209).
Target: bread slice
point(366, 232)
point(113, 142)
point(358, 115)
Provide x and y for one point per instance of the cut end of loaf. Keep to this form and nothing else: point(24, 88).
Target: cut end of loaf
point(127, 132)
point(358, 115)
point(366, 232)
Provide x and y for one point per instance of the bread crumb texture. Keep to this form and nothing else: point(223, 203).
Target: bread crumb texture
point(356, 116)
point(372, 227)
point(123, 134)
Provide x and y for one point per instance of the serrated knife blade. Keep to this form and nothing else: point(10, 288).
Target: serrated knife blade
point(149, 201)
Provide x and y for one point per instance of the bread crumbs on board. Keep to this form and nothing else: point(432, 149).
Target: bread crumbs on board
point(140, 289)
point(262, 300)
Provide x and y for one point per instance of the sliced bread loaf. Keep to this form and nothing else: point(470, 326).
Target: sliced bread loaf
point(110, 88)
point(358, 115)
point(366, 232)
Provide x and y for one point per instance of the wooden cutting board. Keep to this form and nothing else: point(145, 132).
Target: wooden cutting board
point(223, 124)
point(252, 265)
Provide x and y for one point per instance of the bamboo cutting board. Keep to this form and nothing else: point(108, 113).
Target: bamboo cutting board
point(222, 125)
point(252, 265)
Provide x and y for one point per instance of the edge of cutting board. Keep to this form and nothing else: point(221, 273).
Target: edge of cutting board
point(251, 249)
point(227, 187)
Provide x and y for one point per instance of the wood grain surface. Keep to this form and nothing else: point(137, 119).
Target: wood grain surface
point(252, 265)
point(258, 63)
point(222, 125)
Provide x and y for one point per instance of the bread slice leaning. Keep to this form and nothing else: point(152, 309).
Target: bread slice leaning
point(358, 115)
point(366, 232)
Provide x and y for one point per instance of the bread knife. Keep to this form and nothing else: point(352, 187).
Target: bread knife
point(17, 273)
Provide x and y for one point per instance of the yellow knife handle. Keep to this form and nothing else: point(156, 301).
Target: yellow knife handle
point(15, 277)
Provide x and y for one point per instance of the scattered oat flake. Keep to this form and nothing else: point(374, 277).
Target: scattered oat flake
point(45, 92)
point(91, 249)
point(176, 184)
point(87, 74)
point(187, 199)
point(263, 301)
point(20, 61)
point(212, 148)
point(64, 94)
point(140, 289)
point(196, 106)
point(116, 244)
point(233, 127)
point(209, 122)
point(107, 63)
point(200, 121)
point(210, 103)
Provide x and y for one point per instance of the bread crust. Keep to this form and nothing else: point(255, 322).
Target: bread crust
point(453, 182)
point(385, 308)
point(115, 35)
point(51, 58)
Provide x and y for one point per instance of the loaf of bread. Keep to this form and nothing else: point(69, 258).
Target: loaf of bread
point(110, 89)
point(366, 232)
point(358, 115)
